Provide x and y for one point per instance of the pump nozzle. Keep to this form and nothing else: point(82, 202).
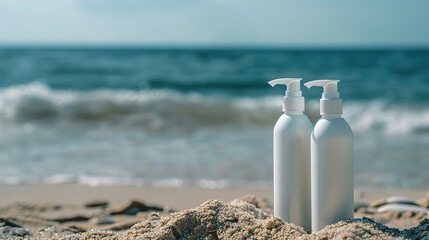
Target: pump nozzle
point(330, 103)
point(293, 102)
point(292, 84)
point(330, 88)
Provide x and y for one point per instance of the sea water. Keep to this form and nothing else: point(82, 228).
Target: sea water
point(171, 117)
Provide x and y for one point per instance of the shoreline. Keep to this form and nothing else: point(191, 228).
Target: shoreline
point(175, 197)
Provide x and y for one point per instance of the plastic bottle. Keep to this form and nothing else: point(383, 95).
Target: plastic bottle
point(292, 190)
point(332, 174)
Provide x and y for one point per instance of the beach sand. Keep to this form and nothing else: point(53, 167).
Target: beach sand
point(60, 210)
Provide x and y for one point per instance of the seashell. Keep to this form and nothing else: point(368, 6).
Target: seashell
point(402, 200)
point(402, 208)
point(393, 199)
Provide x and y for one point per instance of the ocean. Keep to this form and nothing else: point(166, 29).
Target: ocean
point(178, 117)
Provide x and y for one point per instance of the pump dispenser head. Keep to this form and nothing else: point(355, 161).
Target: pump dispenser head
point(330, 103)
point(293, 101)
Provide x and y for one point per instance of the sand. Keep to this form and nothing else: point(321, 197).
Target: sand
point(74, 211)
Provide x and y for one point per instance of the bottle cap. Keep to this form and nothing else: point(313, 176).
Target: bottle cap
point(293, 101)
point(330, 103)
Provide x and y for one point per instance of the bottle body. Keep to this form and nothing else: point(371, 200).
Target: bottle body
point(332, 172)
point(292, 190)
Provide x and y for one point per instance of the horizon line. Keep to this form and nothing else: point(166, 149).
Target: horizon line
point(234, 46)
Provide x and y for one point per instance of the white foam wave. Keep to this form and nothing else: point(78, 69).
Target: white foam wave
point(380, 116)
point(160, 110)
point(153, 110)
point(127, 181)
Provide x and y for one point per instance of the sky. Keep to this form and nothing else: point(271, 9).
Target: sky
point(215, 22)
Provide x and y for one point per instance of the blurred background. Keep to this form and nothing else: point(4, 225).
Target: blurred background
point(175, 93)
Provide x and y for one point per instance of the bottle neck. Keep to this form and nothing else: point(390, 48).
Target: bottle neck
point(331, 106)
point(293, 112)
point(293, 105)
point(331, 115)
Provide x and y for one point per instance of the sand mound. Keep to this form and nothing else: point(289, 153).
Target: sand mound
point(216, 220)
point(241, 220)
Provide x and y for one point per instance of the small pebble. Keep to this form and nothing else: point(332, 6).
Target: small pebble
point(9, 222)
point(105, 221)
point(359, 205)
point(134, 207)
point(96, 203)
point(154, 216)
point(8, 232)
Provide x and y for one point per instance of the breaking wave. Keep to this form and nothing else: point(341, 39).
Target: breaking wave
point(158, 110)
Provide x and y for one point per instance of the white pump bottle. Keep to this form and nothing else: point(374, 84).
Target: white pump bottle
point(292, 190)
point(332, 177)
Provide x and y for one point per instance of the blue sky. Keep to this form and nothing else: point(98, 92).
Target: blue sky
point(215, 22)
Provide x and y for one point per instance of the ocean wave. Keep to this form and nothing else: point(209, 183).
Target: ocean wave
point(153, 109)
point(387, 118)
point(159, 110)
point(363, 181)
point(127, 181)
